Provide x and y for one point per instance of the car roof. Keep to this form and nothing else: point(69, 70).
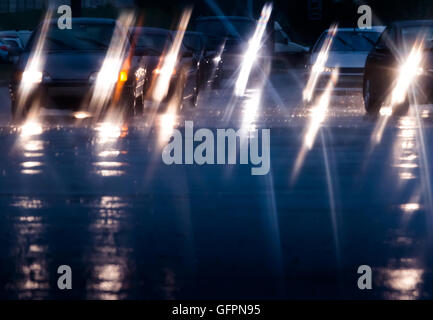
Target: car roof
point(151, 31)
point(90, 20)
point(409, 23)
point(194, 33)
point(8, 35)
point(210, 18)
point(372, 29)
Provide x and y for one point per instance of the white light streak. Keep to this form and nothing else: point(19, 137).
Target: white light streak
point(254, 46)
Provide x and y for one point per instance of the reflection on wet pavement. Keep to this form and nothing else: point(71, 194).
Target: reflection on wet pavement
point(101, 200)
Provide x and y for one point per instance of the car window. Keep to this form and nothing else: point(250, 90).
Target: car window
point(387, 38)
point(193, 42)
point(11, 43)
point(84, 36)
point(350, 41)
point(154, 42)
point(227, 28)
point(412, 34)
point(280, 37)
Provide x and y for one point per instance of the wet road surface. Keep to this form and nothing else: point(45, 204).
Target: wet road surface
point(132, 227)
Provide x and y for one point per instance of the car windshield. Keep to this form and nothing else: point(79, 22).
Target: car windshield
point(414, 33)
point(227, 28)
point(193, 42)
point(351, 41)
point(82, 37)
point(153, 43)
point(11, 43)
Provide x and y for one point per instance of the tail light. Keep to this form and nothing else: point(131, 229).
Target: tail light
point(123, 76)
point(4, 48)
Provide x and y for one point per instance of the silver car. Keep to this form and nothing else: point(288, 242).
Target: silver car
point(348, 52)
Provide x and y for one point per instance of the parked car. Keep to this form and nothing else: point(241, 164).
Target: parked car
point(383, 64)
point(73, 60)
point(348, 52)
point(151, 46)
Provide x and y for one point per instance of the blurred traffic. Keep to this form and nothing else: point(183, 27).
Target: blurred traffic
point(86, 111)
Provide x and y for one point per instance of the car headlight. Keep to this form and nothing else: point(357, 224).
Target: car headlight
point(32, 76)
point(110, 77)
point(322, 69)
point(421, 72)
point(161, 70)
point(328, 70)
point(217, 59)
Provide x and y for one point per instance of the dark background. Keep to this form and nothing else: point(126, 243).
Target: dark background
point(300, 23)
point(295, 17)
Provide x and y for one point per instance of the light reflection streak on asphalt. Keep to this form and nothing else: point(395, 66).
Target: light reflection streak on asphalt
point(317, 117)
point(107, 149)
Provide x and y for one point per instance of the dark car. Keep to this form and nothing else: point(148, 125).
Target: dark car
point(227, 40)
point(383, 62)
point(152, 46)
point(72, 61)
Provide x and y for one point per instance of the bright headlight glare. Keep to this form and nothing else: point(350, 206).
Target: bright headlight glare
point(161, 70)
point(217, 59)
point(323, 69)
point(93, 77)
point(109, 77)
point(420, 71)
point(32, 77)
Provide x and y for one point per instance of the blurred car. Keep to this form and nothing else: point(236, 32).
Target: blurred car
point(73, 59)
point(4, 51)
point(348, 52)
point(195, 42)
point(384, 61)
point(15, 48)
point(151, 46)
point(286, 49)
point(227, 42)
point(22, 35)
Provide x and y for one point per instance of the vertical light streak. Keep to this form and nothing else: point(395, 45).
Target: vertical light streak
point(170, 60)
point(250, 111)
point(406, 76)
point(107, 78)
point(407, 73)
point(319, 65)
point(251, 54)
point(35, 63)
point(318, 112)
point(318, 116)
point(331, 195)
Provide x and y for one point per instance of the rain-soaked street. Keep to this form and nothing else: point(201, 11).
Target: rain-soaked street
point(101, 200)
